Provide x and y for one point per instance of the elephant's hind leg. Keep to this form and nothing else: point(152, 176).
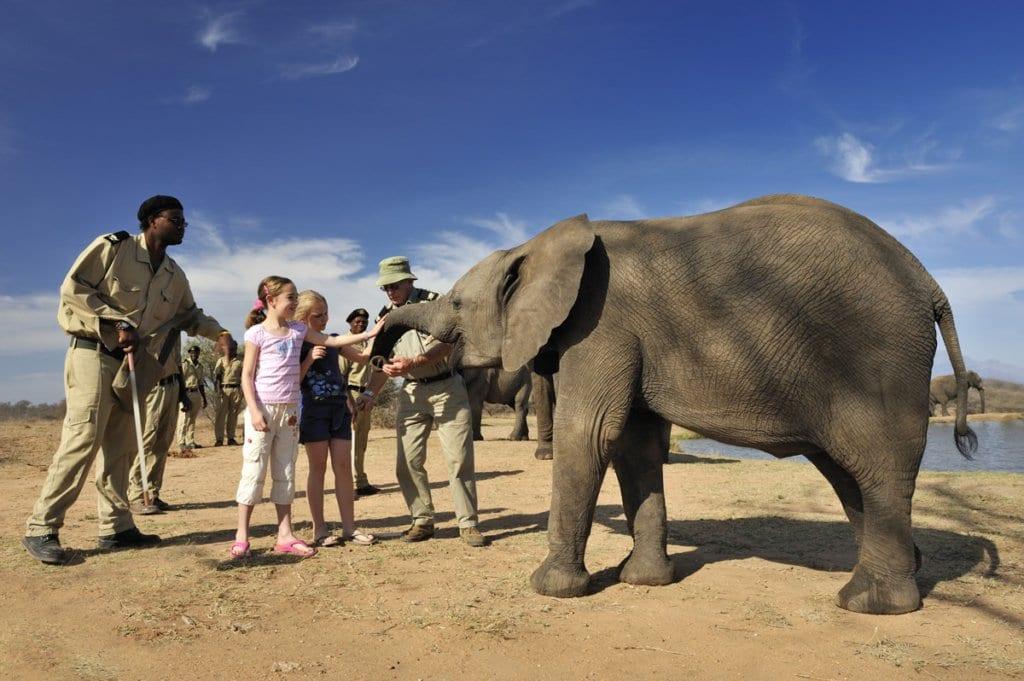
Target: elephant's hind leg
point(637, 458)
point(846, 489)
point(883, 580)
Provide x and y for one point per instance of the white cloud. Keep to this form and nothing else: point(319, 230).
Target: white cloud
point(623, 207)
point(195, 94)
point(1010, 120)
point(972, 286)
point(341, 64)
point(950, 221)
point(220, 30)
point(857, 161)
point(451, 253)
point(34, 315)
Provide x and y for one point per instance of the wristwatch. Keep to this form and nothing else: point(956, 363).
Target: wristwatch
point(368, 392)
point(122, 326)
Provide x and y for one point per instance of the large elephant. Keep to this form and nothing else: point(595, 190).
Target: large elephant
point(786, 323)
point(496, 386)
point(514, 389)
point(943, 389)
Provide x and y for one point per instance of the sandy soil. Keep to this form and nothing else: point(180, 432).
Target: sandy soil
point(760, 548)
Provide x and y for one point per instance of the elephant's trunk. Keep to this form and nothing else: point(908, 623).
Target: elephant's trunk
point(430, 317)
point(981, 391)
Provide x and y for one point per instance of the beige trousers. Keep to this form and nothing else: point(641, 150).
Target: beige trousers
point(276, 449)
point(419, 407)
point(95, 422)
point(360, 436)
point(229, 406)
point(187, 421)
point(161, 412)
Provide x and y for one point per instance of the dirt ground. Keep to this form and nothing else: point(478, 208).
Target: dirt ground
point(760, 549)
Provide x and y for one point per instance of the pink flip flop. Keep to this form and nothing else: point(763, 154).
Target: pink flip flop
point(296, 547)
point(240, 549)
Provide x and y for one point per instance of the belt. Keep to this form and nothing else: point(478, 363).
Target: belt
point(360, 388)
point(167, 380)
point(231, 385)
point(432, 379)
point(89, 344)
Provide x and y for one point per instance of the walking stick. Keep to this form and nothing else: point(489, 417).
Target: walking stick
point(138, 428)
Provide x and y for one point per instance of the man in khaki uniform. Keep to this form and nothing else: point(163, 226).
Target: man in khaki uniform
point(432, 393)
point(357, 377)
point(227, 381)
point(121, 292)
point(157, 434)
point(192, 374)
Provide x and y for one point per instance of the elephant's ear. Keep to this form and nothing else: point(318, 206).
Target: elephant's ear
point(542, 280)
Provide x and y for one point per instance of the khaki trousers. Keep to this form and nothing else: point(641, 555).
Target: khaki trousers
point(229, 406)
point(95, 422)
point(161, 413)
point(360, 436)
point(187, 422)
point(419, 406)
point(276, 449)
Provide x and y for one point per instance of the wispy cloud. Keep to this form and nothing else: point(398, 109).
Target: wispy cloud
point(622, 207)
point(340, 64)
point(1009, 120)
point(451, 253)
point(951, 221)
point(857, 161)
point(34, 315)
point(334, 30)
point(527, 19)
point(195, 94)
point(219, 29)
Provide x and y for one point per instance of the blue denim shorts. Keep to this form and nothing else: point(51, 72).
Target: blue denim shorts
point(322, 421)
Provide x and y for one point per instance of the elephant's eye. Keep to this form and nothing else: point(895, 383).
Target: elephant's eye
point(456, 304)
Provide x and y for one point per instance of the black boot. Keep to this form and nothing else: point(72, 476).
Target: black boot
point(127, 539)
point(46, 549)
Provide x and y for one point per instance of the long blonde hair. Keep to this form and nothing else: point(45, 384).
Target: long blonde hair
point(268, 288)
point(307, 299)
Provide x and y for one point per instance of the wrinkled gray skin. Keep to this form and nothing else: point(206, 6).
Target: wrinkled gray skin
point(493, 385)
point(544, 408)
point(786, 323)
point(943, 390)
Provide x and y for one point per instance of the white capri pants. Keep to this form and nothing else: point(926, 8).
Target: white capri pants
point(278, 447)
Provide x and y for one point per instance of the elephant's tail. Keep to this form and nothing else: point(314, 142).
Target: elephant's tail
point(966, 440)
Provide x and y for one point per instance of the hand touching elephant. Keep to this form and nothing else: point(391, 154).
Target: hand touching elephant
point(786, 323)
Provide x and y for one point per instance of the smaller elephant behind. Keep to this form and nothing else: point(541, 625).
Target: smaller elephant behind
point(943, 390)
point(511, 388)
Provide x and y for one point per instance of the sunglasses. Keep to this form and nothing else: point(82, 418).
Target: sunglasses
point(177, 220)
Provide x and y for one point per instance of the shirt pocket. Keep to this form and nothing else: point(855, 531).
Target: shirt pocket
point(126, 295)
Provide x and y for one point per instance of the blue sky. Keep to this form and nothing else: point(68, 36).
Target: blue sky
point(312, 139)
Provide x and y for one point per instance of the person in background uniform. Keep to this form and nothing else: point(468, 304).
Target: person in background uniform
point(157, 433)
point(432, 393)
point(357, 377)
point(227, 381)
point(121, 292)
point(192, 374)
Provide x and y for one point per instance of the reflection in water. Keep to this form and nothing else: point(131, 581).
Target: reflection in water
point(1000, 448)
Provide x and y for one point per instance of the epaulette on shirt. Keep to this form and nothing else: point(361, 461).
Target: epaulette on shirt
point(117, 237)
point(430, 295)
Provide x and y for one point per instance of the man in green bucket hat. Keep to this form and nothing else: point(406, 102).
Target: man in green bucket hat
point(432, 393)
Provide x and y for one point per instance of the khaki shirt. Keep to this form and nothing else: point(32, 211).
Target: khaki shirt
point(228, 371)
point(414, 343)
point(192, 373)
point(353, 372)
point(112, 280)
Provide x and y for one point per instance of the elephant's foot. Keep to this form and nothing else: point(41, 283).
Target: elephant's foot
point(516, 436)
point(874, 595)
point(545, 451)
point(555, 580)
point(477, 437)
point(647, 569)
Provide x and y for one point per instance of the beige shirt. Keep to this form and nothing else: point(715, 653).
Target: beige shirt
point(112, 280)
point(228, 371)
point(353, 372)
point(414, 343)
point(192, 373)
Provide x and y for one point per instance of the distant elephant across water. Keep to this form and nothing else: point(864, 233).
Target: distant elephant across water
point(943, 390)
point(786, 323)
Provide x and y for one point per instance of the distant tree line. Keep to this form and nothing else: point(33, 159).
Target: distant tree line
point(10, 411)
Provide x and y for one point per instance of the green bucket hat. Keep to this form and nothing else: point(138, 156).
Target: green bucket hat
point(394, 270)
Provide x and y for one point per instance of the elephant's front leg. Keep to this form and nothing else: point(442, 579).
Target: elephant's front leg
point(580, 462)
point(637, 458)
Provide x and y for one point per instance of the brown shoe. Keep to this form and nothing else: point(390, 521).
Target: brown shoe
point(472, 536)
point(139, 508)
point(418, 533)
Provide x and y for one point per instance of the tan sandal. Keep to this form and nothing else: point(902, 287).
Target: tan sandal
point(360, 538)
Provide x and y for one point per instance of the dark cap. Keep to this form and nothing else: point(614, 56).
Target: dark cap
point(358, 312)
point(156, 204)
